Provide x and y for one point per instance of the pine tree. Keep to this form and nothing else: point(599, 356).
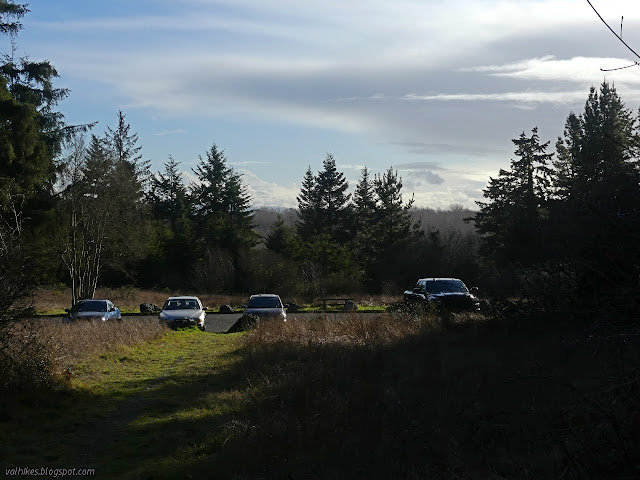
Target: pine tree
point(221, 204)
point(280, 238)
point(512, 218)
point(393, 218)
point(130, 166)
point(596, 214)
point(364, 220)
point(31, 132)
point(597, 159)
point(10, 14)
point(308, 207)
point(333, 201)
point(169, 194)
point(364, 201)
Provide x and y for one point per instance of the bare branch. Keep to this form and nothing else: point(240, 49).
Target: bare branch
point(619, 68)
point(617, 36)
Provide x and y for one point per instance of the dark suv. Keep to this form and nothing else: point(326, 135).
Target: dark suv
point(443, 293)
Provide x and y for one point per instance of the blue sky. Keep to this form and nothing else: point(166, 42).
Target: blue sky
point(435, 89)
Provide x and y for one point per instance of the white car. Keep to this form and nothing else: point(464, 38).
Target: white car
point(183, 312)
point(266, 305)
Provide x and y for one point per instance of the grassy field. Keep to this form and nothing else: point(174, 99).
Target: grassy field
point(375, 396)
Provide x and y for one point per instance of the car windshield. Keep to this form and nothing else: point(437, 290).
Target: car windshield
point(181, 304)
point(446, 286)
point(265, 302)
point(90, 306)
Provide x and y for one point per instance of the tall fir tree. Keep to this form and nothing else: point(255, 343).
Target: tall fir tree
point(364, 219)
point(333, 201)
point(221, 204)
point(596, 213)
point(169, 197)
point(393, 217)
point(308, 206)
point(511, 219)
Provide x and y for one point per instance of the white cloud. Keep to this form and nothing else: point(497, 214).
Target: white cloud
point(269, 194)
point(566, 97)
point(164, 133)
point(549, 68)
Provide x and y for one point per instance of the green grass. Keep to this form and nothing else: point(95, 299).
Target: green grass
point(129, 407)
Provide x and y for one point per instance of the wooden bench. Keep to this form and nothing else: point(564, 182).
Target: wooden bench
point(325, 300)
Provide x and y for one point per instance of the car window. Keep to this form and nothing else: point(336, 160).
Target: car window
point(265, 302)
point(446, 286)
point(181, 304)
point(90, 306)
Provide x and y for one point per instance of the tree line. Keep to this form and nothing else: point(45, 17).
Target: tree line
point(560, 228)
point(563, 229)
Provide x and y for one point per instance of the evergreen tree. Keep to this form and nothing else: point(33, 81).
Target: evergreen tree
point(333, 201)
point(130, 167)
point(364, 201)
point(31, 131)
point(511, 219)
point(10, 14)
point(597, 159)
point(596, 214)
point(170, 262)
point(169, 196)
point(364, 220)
point(221, 204)
point(392, 216)
point(308, 207)
point(280, 238)
point(32, 135)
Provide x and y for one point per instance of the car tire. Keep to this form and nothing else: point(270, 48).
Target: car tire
point(202, 327)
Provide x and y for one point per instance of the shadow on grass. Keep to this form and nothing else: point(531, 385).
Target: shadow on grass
point(469, 400)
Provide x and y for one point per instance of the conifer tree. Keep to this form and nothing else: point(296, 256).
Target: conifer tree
point(333, 201)
point(393, 219)
point(221, 204)
point(595, 215)
point(308, 206)
point(169, 194)
point(280, 238)
point(511, 219)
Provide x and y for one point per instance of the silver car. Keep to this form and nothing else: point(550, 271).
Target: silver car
point(102, 310)
point(266, 305)
point(183, 312)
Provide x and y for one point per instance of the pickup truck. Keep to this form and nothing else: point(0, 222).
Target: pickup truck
point(443, 293)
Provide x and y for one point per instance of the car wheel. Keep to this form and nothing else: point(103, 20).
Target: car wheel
point(202, 327)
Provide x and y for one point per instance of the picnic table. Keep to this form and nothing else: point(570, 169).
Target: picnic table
point(342, 300)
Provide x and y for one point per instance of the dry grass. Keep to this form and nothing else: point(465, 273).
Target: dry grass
point(128, 299)
point(49, 300)
point(460, 397)
point(71, 342)
point(47, 351)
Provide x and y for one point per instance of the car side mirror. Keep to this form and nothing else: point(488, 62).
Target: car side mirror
point(286, 305)
point(243, 306)
point(474, 290)
point(67, 310)
point(112, 309)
